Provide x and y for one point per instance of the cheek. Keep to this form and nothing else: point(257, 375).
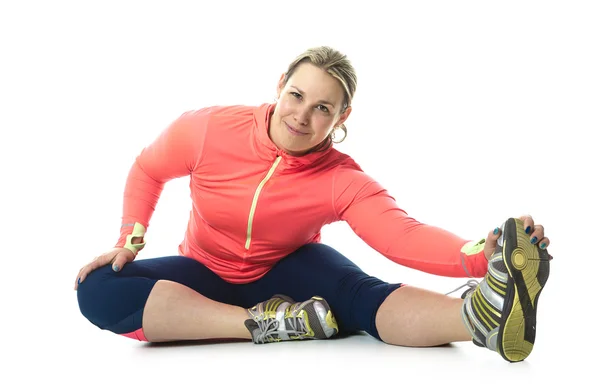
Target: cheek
point(322, 125)
point(285, 107)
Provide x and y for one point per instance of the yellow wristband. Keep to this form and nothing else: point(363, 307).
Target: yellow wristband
point(138, 231)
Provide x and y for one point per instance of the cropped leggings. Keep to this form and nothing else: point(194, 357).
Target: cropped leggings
point(115, 301)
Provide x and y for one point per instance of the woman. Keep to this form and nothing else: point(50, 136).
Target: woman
point(264, 180)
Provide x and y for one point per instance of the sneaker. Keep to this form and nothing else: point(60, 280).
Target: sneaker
point(500, 312)
point(280, 319)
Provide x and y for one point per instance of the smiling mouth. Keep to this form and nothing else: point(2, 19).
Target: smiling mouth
point(294, 131)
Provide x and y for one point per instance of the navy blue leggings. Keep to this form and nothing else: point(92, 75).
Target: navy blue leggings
point(115, 301)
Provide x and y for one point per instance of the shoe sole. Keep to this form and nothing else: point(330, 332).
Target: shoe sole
point(528, 270)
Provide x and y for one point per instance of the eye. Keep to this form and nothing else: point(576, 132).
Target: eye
point(296, 95)
point(323, 108)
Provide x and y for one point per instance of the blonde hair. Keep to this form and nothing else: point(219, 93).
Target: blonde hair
point(335, 64)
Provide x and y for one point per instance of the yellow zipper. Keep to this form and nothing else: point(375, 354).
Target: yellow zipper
point(255, 201)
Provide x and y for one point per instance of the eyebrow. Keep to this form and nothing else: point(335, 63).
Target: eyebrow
point(322, 101)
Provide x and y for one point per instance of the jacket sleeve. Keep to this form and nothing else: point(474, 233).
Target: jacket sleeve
point(175, 153)
point(375, 217)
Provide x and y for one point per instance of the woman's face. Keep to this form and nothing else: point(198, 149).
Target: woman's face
point(308, 108)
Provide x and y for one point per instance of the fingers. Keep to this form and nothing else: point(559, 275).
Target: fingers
point(535, 232)
point(95, 264)
point(538, 237)
point(491, 241)
point(86, 271)
point(494, 234)
point(527, 223)
point(544, 243)
point(120, 260)
point(77, 280)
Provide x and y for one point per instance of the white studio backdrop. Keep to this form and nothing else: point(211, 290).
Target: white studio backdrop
point(467, 112)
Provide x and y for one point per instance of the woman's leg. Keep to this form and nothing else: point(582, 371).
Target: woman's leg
point(163, 299)
point(498, 313)
point(177, 312)
point(393, 313)
point(417, 317)
point(319, 270)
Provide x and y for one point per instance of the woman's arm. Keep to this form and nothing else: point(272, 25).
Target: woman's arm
point(175, 153)
point(375, 217)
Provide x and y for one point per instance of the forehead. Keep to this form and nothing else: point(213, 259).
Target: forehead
point(316, 83)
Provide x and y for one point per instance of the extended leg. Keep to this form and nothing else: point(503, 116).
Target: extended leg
point(499, 313)
point(417, 317)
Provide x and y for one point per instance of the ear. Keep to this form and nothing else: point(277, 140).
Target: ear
point(280, 85)
point(344, 116)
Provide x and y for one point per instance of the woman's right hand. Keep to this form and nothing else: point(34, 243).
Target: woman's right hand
point(118, 257)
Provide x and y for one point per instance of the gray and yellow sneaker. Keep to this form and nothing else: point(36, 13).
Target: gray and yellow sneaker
point(500, 312)
point(280, 319)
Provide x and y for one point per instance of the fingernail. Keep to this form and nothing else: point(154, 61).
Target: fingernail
point(543, 245)
point(78, 280)
point(528, 229)
point(116, 268)
point(496, 230)
point(534, 240)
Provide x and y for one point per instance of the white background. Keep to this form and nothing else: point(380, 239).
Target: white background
point(468, 112)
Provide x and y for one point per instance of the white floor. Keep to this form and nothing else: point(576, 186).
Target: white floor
point(47, 340)
point(103, 359)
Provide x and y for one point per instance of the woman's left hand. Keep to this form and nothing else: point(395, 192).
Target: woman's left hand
point(535, 232)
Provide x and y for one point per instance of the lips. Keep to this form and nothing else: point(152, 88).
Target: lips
point(294, 131)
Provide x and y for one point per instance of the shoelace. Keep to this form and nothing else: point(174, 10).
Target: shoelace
point(472, 284)
point(270, 327)
point(297, 324)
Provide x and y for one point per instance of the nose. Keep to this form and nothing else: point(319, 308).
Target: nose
point(302, 115)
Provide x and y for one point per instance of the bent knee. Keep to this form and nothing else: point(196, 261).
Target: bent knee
point(113, 301)
point(93, 294)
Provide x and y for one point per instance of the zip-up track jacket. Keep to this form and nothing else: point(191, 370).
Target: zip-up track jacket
point(253, 204)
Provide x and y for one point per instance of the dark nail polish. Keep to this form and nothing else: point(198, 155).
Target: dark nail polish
point(528, 229)
point(496, 231)
point(78, 280)
point(534, 240)
point(543, 245)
